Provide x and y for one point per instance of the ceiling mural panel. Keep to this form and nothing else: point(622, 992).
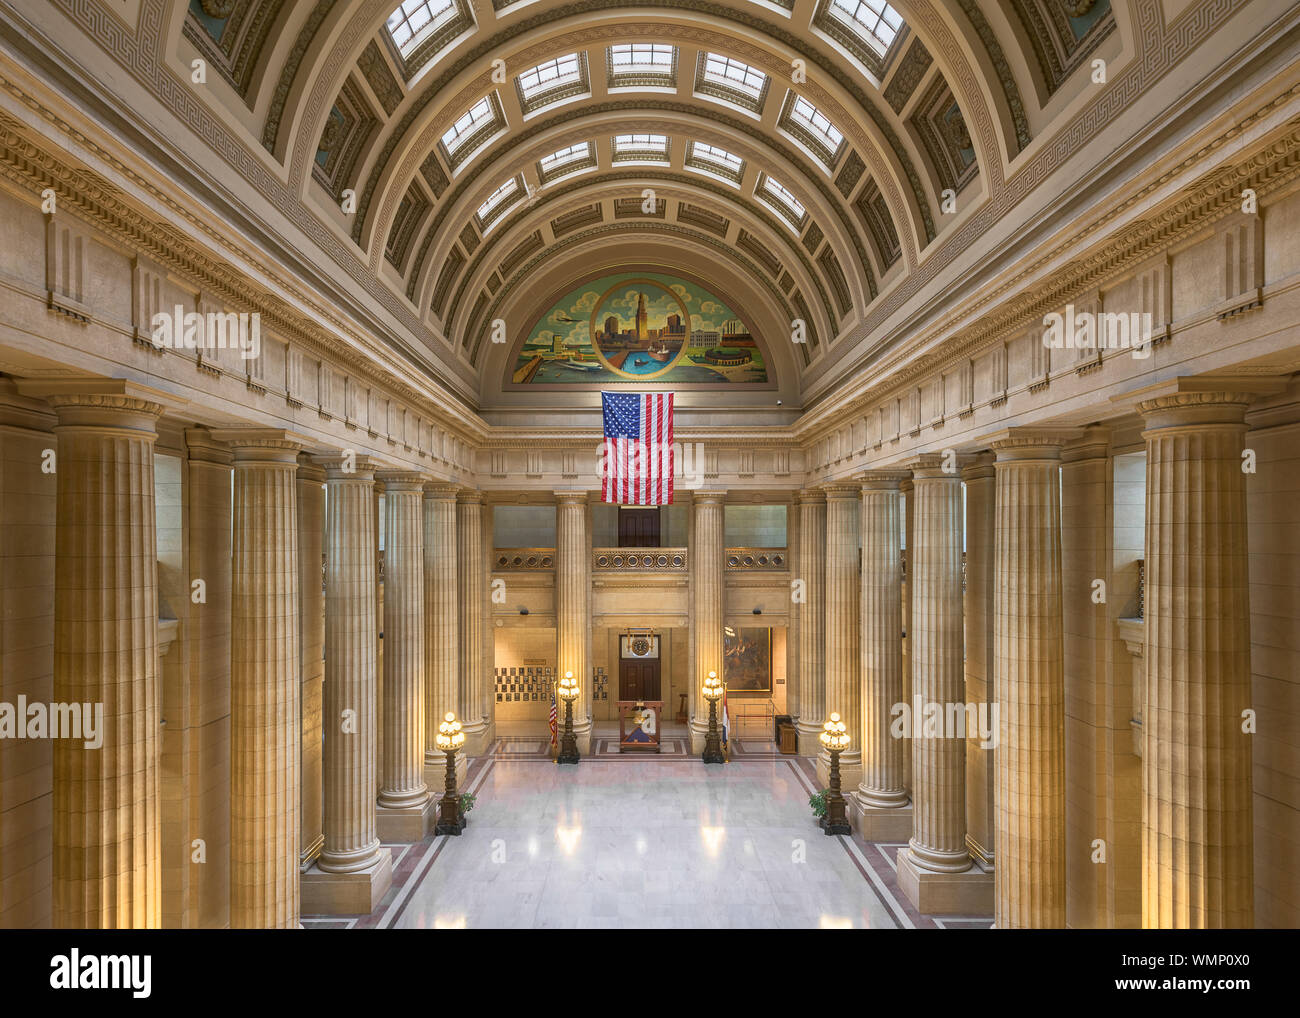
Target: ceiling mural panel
point(642, 327)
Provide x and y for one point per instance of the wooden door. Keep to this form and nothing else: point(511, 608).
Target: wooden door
point(638, 679)
point(638, 528)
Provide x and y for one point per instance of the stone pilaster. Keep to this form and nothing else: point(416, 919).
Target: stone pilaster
point(266, 656)
point(107, 861)
point(573, 606)
point(311, 630)
point(441, 625)
point(843, 656)
point(707, 606)
point(1030, 684)
point(472, 612)
point(353, 871)
point(935, 870)
point(1197, 834)
point(981, 490)
point(403, 809)
point(882, 810)
point(812, 620)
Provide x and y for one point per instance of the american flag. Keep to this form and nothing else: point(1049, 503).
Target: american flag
point(555, 718)
point(638, 453)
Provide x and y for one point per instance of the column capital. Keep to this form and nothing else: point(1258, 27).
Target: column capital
point(91, 402)
point(201, 447)
point(402, 480)
point(1093, 444)
point(347, 468)
point(571, 498)
point(1031, 443)
point(261, 445)
point(710, 496)
point(470, 496)
point(441, 490)
point(1189, 409)
point(810, 496)
point(930, 466)
point(1204, 392)
point(308, 470)
point(841, 489)
point(978, 466)
point(881, 480)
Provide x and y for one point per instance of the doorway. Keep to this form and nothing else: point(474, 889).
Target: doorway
point(638, 679)
point(638, 528)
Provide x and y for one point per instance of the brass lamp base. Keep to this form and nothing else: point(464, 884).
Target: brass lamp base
point(713, 739)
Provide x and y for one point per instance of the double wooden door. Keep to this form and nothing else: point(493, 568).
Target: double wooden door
point(638, 679)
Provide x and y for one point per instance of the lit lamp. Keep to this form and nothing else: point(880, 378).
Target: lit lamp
point(568, 744)
point(713, 741)
point(835, 737)
point(451, 820)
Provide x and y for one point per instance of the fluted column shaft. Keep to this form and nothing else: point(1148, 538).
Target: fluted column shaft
point(311, 597)
point(442, 629)
point(106, 863)
point(981, 492)
point(404, 619)
point(812, 620)
point(843, 656)
point(882, 635)
point(265, 658)
point(573, 600)
point(1029, 677)
point(707, 604)
point(1197, 834)
point(473, 604)
point(351, 844)
point(909, 519)
point(938, 756)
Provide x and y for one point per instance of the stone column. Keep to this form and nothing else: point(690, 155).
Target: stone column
point(909, 517)
point(1197, 834)
point(573, 606)
point(843, 656)
point(472, 611)
point(812, 620)
point(377, 493)
point(265, 657)
point(935, 870)
point(107, 862)
point(882, 809)
point(311, 630)
point(403, 810)
point(981, 489)
point(707, 607)
point(441, 625)
point(353, 871)
point(1030, 684)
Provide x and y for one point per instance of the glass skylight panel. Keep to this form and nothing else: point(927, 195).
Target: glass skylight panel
point(778, 191)
point(458, 132)
point(551, 74)
point(570, 154)
point(641, 145)
point(496, 198)
point(814, 120)
point(416, 19)
point(723, 70)
point(720, 157)
point(873, 21)
point(641, 58)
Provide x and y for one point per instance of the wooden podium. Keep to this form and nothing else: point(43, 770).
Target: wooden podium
point(639, 725)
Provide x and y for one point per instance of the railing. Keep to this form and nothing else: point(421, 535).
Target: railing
point(769, 559)
point(521, 559)
point(639, 560)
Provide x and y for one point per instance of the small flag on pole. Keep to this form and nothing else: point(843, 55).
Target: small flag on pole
point(637, 467)
point(725, 724)
point(555, 718)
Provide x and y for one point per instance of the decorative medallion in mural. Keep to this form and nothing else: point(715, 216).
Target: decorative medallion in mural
point(643, 327)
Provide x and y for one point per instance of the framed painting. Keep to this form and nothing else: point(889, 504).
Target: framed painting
point(747, 659)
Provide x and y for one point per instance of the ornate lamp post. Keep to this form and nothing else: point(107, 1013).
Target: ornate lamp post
point(713, 741)
point(449, 739)
point(568, 743)
point(835, 738)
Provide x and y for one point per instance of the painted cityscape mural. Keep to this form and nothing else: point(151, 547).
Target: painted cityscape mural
point(640, 327)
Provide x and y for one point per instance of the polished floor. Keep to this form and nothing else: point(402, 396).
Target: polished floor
point(644, 841)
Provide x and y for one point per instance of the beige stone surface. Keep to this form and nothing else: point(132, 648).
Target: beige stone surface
point(843, 623)
point(707, 603)
point(812, 620)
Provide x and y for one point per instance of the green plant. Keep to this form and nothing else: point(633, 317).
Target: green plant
point(467, 800)
point(818, 803)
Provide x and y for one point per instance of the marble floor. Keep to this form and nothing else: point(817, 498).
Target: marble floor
point(642, 841)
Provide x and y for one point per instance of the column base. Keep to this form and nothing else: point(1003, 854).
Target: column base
point(881, 823)
point(309, 853)
point(582, 735)
point(403, 825)
point(933, 893)
point(850, 774)
point(435, 773)
point(699, 734)
point(356, 893)
point(478, 739)
point(809, 736)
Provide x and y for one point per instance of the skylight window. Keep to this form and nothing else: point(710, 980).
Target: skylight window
point(775, 194)
point(805, 113)
point(468, 124)
point(717, 159)
point(732, 74)
point(873, 21)
point(498, 201)
point(639, 58)
point(570, 154)
point(552, 74)
point(416, 20)
point(640, 147)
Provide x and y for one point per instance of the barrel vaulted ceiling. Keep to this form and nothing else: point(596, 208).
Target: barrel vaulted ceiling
point(465, 161)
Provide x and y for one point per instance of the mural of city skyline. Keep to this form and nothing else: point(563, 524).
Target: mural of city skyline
point(647, 327)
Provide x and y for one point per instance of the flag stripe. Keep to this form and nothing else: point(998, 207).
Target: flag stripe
point(638, 451)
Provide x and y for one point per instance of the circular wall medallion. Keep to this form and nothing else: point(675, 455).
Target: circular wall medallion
point(640, 646)
point(635, 332)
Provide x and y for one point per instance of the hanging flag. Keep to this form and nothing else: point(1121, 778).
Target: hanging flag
point(555, 718)
point(637, 467)
point(725, 724)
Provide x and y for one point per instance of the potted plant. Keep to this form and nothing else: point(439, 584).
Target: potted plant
point(467, 800)
point(818, 803)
